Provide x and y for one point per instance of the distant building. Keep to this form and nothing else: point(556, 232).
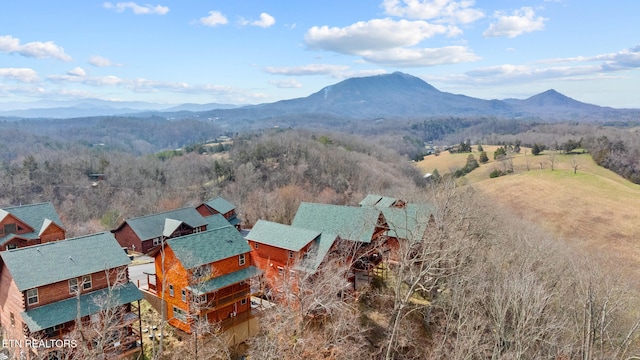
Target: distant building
point(221, 206)
point(143, 233)
point(28, 225)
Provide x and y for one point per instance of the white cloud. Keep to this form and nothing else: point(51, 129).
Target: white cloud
point(621, 60)
point(137, 9)
point(376, 34)
point(409, 57)
point(286, 84)
point(519, 22)
point(24, 75)
point(77, 71)
point(311, 69)
point(99, 61)
point(215, 18)
point(265, 21)
point(36, 49)
point(448, 11)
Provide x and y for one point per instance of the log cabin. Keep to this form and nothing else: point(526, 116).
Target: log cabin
point(221, 206)
point(28, 225)
point(278, 249)
point(205, 278)
point(142, 234)
point(77, 289)
point(356, 234)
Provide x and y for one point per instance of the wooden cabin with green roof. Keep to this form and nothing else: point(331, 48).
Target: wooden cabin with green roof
point(205, 276)
point(28, 225)
point(278, 249)
point(142, 234)
point(46, 288)
point(355, 230)
point(221, 206)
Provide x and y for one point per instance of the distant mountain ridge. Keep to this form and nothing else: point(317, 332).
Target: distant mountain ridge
point(387, 96)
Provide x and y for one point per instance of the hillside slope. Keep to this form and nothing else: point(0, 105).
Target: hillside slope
point(594, 207)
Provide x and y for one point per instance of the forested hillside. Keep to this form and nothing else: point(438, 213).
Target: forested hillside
point(482, 283)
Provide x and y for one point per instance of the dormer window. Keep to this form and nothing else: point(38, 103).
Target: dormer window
point(241, 259)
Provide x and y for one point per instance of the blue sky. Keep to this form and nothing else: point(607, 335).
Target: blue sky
point(256, 51)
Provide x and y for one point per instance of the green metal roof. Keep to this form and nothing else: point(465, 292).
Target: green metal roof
point(370, 200)
point(221, 282)
point(220, 205)
point(348, 222)
point(386, 202)
point(208, 246)
point(60, 312)
point(216, 221)
point(280, 235)
point(151, 226)
point(409, 223)
point(35, 214)
point(51, 262)
point(318, 252)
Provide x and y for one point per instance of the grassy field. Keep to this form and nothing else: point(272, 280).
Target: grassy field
point(593, 208)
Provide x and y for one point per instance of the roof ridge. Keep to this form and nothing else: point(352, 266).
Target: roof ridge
point(162, 212)
point(27, 205)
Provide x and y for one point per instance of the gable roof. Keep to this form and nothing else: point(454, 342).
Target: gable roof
point(281, 236)
point(152, 226)
point(51, 262)
point(348, 222)
point(208, 246)
point(220, 205)
point(34, 215)
point(37, 216)
point(409, 223)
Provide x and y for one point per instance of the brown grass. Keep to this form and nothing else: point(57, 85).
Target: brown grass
point(594, 208)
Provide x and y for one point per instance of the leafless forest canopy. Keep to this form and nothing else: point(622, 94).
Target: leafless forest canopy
point(481, 284)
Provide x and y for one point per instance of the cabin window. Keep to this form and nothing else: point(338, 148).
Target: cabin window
point(243, 302)
point(197, 229)
point(202, 299)
point(157, 241)
point(280, 270)
point(184, 295)
point(73, 286)
point(12, 246)
point(241, 259)
point(13, 320)
point(86, 282)
point(32, 296)
point(290, 254)
point(179, 314)
point(10, 228)
point(171, 290)
point(256, 245)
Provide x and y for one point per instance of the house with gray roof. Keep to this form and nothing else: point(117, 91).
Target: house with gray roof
point(27, 225)
point(221, 206)
point(205, 275)
point(143, 233)
point(46, 288)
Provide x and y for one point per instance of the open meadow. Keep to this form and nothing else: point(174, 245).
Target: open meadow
point(592, 208)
